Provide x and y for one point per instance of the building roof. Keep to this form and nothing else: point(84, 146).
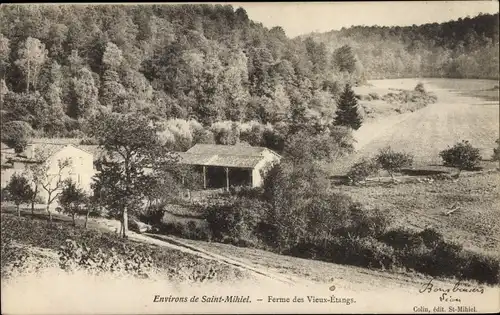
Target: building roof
point(235, 150)
point(48, 149)
point(219, 160)
point(223, 155)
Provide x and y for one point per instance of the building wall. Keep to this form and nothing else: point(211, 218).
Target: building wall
point(81, 169)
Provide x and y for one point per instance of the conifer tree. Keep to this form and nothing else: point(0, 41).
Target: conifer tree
point(347, 109)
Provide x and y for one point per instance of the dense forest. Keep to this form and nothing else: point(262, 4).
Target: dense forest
point(466, 48)
point(209, 65)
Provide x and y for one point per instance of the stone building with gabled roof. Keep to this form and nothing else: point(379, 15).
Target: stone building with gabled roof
point(230, 165)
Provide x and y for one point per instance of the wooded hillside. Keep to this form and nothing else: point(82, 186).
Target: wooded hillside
point(466, 48)
point(62, 63)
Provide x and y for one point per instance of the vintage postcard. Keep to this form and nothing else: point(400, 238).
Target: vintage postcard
point(170, 158)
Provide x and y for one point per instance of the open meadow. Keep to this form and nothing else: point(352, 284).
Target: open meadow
point(460, 113)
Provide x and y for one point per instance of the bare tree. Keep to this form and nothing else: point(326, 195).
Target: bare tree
point(45, 180)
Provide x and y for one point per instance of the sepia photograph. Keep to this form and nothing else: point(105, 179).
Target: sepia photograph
point(238, 157)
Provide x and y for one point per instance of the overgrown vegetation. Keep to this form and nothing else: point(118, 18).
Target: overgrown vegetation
point(296, 214)
point(419, 97)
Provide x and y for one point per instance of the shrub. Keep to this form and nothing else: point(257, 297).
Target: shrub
point(402, 239)
point(482, 268)
point(246, 192)
point(236, 219)
point(361, 170)
point(462, 156)
point(420, 88)
point(431, 238)
point(374, 96)
point(496, 151)
point(364, 252)
point(392, 161)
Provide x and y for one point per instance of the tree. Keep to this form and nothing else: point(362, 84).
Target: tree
point(72, 199)
point(31, 56)
point(113, 94)
point(16, 134)
point(45, 179)
point(19, 191)
point(347, 109)
point(112, 57)
point(462, 156)
point(132, 147)
point(3, 90)
point(4, 54)
point(4, 63)
point(85, 94)
point(344, 59)
point(392, 161)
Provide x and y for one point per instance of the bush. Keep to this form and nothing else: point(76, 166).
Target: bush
point(363, 252)
point(392, 161)
point(374, 96)
point(496, 151)
point(420, 88)
point(235, 219)
point(402, 239)
point(482, 268)
point(361, 170)
point(462, 156)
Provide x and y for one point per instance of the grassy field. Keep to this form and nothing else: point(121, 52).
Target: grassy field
point(476, 225)
point(459, 114)
point(465, 110)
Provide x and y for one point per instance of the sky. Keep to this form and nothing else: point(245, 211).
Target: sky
point(299, 18)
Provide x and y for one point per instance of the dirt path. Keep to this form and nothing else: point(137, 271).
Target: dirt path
point(426, 132)
point(179, 244)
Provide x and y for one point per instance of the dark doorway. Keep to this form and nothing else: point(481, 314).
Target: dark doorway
point(240, 177)
point(216, 177)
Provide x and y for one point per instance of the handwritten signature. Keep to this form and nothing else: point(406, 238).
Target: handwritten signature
point(430, 287)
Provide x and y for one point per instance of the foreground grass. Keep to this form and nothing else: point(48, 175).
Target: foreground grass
point(23, 237)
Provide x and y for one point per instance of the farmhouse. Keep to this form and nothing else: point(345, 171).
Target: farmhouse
point(230, 165)
point(80, 170)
